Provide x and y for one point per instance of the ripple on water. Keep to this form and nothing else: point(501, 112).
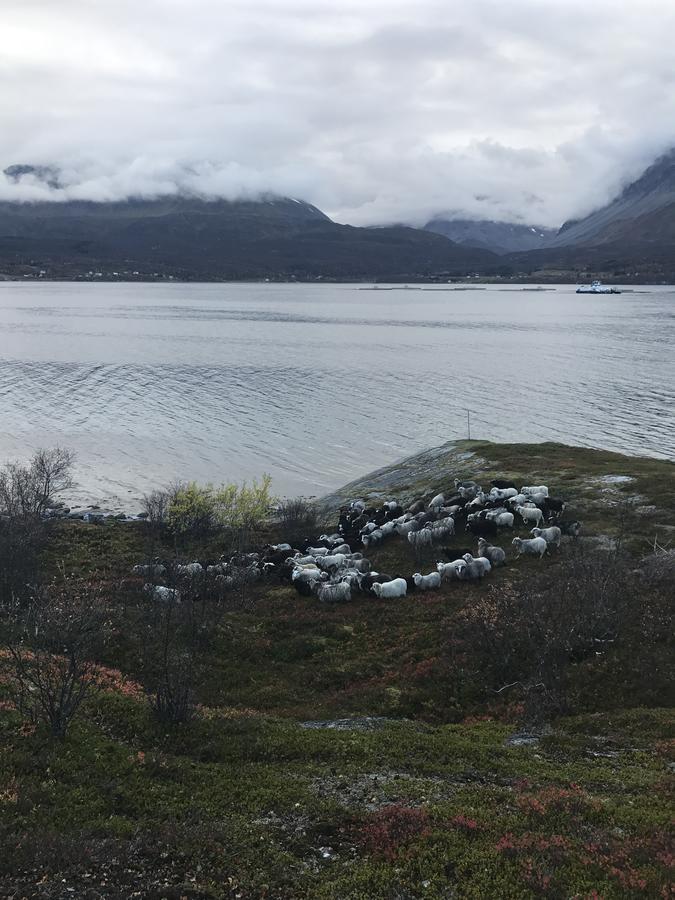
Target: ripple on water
point(319, 385)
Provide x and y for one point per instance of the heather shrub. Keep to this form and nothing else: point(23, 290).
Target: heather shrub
point(387, 832)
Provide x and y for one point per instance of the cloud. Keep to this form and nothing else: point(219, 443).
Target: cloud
point(531, 110)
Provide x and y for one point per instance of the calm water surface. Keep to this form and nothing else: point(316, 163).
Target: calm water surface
point(317, 384)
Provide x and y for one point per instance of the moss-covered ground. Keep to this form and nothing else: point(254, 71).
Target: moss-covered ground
point(431, 791)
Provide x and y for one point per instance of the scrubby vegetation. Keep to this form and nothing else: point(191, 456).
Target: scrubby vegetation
point(503, 739)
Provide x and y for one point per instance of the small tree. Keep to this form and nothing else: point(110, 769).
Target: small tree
point(155, 505)
point(191, 510)
point(237, 510)
point(50, 648)
point(242, 510)
point(26, 491)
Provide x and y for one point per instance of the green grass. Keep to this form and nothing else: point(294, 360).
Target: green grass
point(251, 800)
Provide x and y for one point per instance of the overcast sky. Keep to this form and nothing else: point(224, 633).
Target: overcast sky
point(524, 110)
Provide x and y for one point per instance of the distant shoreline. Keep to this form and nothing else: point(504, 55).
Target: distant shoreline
point(440, 283)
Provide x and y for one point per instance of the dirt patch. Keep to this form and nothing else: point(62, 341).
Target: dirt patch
point(375, 790)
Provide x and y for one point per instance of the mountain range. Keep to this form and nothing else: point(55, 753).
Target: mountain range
point(281, 238)
point(499, 237)
point(274, 237)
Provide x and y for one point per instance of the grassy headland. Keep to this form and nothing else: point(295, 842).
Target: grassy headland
point(445, 783)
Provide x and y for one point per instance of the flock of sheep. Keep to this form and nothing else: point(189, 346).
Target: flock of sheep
point(329, 568)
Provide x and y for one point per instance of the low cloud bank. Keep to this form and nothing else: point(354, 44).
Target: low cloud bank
point(375, 111)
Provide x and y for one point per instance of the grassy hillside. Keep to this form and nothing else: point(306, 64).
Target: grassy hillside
point(435, 779)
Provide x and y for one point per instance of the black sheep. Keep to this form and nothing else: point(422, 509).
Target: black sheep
point(553, 505)
point(482, 528)
point(452, 555)
point(394, 513)
point(456, 500)
point(571, 528)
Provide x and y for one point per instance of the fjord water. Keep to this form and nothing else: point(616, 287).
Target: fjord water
point(317, 384)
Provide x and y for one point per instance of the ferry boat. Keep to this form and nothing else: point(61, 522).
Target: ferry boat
point(597, 287)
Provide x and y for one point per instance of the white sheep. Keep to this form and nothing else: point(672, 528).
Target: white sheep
point(437, 502)
point(495, 554)
point(162, 594)
point(408, 527)
point(535, 489)
point(503, 493)
point(503, 519)
point(534, 547)
point(150, 570)
point(450, 570)
point(406, 517)
point(442, 529)
point(296, 566)
point(429, 582)
point(226, 582)
point(342, 548)
point(446, 511)
point(530, 514)
point(419, 539)
point(317, 551)
point(468, 493)
point(334, 561)
point(193, 568)
point(307, 575)
point(551, 535)
point(352, 578)
point(300, 560)
point(334, 593)
point(476, 567)
point(390, 589)
point(333, 539)
point(373, 538)
point(518, 500)
point(466, 484)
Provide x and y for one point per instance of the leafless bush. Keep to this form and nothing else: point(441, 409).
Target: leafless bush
point(27, 491)
point(156, 505)
point(299, 519)
point(176, 631)
point(529, 637)
point(658, 567)
point(49, 652)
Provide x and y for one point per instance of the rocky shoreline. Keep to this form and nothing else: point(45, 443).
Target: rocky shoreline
point(92, 514)
point(604, 477)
